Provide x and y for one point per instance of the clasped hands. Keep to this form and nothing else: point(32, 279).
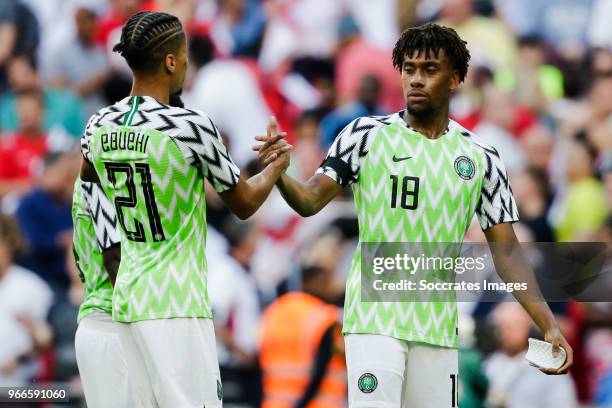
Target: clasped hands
point(274, 149)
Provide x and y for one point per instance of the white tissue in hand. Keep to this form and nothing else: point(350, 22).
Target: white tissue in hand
point(540, 354)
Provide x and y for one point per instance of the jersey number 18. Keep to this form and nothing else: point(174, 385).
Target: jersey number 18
point(408, 192)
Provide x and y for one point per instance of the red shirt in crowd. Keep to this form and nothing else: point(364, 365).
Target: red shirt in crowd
point(360, 59)
point(21, 156)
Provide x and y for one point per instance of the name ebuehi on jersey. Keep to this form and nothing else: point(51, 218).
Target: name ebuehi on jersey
point(124, 140)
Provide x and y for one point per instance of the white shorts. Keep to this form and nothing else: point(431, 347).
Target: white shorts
point(180, 356)
point(112, 375)
point(389, 373)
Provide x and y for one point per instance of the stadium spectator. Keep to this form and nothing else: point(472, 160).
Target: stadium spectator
point(301, 347)
point(489, 41)
point(22, 152)
point(308, 153)
point(299, 28)
point(604, 390)
point(238, 28)
point(538, 142)
point(330, 250)
point(88, 76)
point(514, 384)
point(379, 21)
point(357, 59)
point(599, 31)
point(534, 83)
point(466, 106)
point(245, 101)
point(584, 191)
point(499, 111)
point(63, 110)
point(108, 33)
point(45, 219)
point(320, 75)
point(474, 384)
point(63, 321)
point(532, 195)
point(118, 13)
point(236, 308)
point(601, 62)
point(367, 103)
point(18, 35)
point(25, 300)
point(516, 15)
point(606, 170)
point(562, 24)
point(600, 108)
point(597, 336)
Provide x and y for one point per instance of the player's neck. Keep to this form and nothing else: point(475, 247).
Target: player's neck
point(150, 87)
point(432, 125)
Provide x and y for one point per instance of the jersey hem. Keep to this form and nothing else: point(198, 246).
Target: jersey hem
point(406, 336)
point(84, 312)
point(141, 318)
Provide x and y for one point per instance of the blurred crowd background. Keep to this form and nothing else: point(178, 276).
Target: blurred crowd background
point(539, 89)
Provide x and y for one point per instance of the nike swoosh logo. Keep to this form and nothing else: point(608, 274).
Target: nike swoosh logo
point(399, 159)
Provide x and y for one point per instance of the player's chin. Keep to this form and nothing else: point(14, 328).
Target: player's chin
point(418, 109)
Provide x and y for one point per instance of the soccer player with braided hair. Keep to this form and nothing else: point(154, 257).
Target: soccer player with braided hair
point(151, 159)
point(417, 177)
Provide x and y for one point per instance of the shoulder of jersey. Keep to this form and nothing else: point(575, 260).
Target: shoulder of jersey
point(364, 125)
point(109, 114)
point(357, 134)
point(155, 115)
point(384, 119)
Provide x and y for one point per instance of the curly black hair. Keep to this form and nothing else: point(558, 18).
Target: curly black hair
point(431, 38)
point(147, 37)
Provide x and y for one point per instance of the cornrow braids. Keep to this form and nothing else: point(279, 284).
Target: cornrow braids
point(430, 39)
point(147, 37)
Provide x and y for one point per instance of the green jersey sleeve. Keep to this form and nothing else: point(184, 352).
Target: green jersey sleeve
point(103, 217)
point(200, 142)
point(496, 204)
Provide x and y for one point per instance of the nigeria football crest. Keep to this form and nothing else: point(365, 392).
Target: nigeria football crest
point(464, 166)
point(367, 383)
point(219, 390)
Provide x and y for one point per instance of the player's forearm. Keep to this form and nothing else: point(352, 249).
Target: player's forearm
point(541, 314)
point(300, 196)
point(512, 265)
point(260, 186)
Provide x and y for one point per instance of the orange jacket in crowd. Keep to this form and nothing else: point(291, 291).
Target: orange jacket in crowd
point(292, 329)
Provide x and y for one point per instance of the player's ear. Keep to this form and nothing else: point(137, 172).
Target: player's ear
point(454, 85)
point(170, 63)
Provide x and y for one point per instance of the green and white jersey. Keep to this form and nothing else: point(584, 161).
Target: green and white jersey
point(152, 159)
point(409, 188)
point(95, 230)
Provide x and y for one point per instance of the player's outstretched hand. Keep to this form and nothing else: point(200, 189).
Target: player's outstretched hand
point(274, 145)
point(555, 337)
